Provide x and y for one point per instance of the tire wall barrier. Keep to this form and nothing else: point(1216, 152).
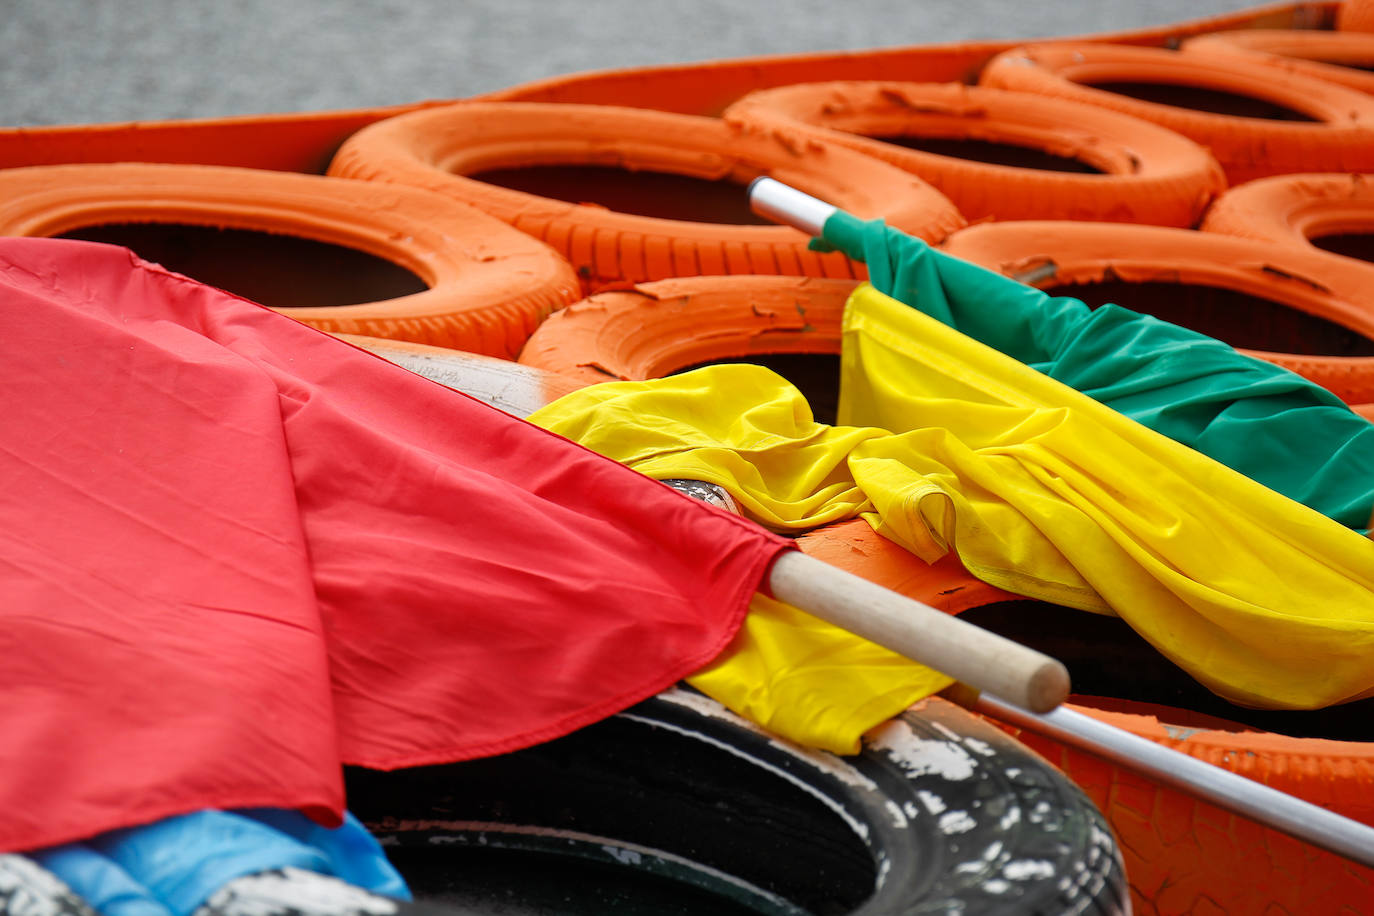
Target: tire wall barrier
point(1115, 168)
point(447, 150)
point(305, 141)
point(1268, 121)
point(1307, 311)
point(292, 142)
point(473, 282)
point(1344, 58)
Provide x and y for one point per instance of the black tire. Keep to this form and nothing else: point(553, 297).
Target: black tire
point(941, 812)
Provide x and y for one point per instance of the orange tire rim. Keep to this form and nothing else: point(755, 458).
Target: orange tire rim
point(659, 328)
point(1268, 122)
point(1325, 210)
point(1344, 58)
point(1355, 16)
point(1140, 172)
point(448, 149)
point(1306, 311)
point(484, 286)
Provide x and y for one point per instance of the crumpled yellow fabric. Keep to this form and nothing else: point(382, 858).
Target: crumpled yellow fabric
point(945, 443)
point(811, 681)
point(748, 430)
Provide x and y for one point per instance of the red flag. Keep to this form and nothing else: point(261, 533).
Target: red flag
point(238, 552)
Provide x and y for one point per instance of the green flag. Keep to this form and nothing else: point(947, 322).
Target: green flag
point(1259, 419)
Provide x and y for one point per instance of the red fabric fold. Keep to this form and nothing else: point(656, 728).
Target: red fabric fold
point(236, 552)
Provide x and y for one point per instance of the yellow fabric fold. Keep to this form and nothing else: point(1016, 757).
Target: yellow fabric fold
point(810, 681)
point(746, 429)
point(1055, 496)
point(735, 425)
point(948, 444)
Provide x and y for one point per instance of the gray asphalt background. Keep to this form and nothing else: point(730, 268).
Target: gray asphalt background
point(90, 61)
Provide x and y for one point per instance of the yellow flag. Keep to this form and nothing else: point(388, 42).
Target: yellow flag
point(948, 444)
point(1045, 492)
point(810, 681)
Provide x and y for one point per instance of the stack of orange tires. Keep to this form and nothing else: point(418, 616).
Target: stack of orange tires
point(1218, 174)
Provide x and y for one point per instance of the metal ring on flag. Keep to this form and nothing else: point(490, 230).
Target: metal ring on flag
point(1305, 310)
point(1343, 58)
point(676, 798)
point(629, 195)
point(1006, 155)
point(1331, 211)
point(1256, 120)
point(354, 257)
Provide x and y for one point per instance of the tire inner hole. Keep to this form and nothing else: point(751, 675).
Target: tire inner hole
point(661, 195)
point(1198, 98)
point(1237, 318)
point(632, 784)
point(1358, 245)
point(992, 153)
point(276, 270)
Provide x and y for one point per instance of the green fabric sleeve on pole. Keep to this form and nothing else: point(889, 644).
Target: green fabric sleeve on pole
point(1016, 319)
point(1259, 419)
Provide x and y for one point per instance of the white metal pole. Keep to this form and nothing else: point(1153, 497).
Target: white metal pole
point(1256, 801)
point(783, 203)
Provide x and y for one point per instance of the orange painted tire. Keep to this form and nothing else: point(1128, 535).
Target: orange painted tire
point(854, 546)
point(1311, 312)
point(656, 329)
point(1243, 135)
point(1184, 855)
point(1344, 58)
point(1355, 16)
point(669, 160)
point(475, 284)
point(1130, 170)
point(1334, 212)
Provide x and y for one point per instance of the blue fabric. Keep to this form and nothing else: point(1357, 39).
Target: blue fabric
point(170, 867)
point(99, 881)
point(353, 853)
